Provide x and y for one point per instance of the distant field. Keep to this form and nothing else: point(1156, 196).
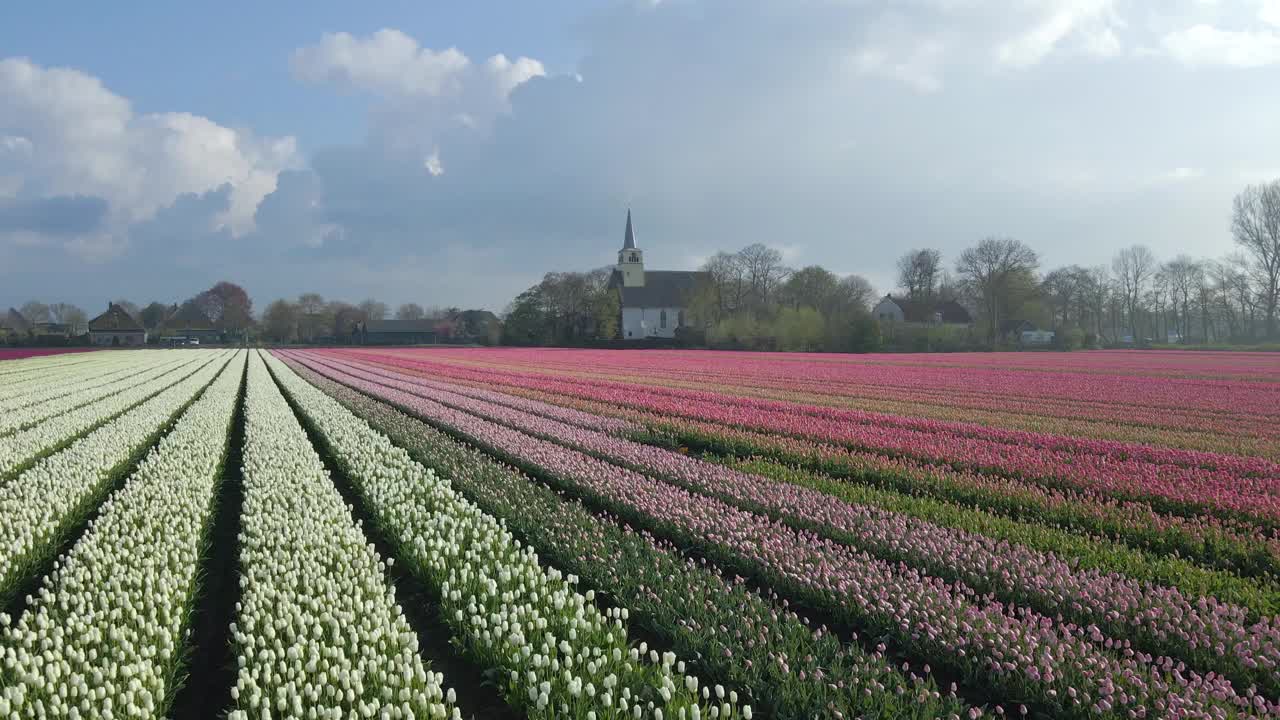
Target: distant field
point(19, 353)
point(659, 534)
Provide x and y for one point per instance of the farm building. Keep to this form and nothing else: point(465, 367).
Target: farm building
point(116, 327)
point(902, 310)
point(395, 332)
point(13, 325)
point(187, 323)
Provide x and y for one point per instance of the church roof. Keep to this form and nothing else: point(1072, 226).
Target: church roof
point(662, 288)
point(629, 240)
point(115, 319)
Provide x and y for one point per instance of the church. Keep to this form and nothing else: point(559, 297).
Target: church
point(654, 302)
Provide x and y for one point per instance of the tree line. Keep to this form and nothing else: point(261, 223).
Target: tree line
point(229, 311)
point(751, 299)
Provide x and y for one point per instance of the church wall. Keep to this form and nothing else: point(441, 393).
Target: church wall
point(640, 323)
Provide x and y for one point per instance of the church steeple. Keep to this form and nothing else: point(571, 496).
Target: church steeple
point(631, 258)
point(629, 241)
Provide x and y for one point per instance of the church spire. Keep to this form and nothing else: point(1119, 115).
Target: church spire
point(629, 241)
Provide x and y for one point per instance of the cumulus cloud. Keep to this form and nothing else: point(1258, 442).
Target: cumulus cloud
point(1091, 23)
point(840, 131)
point(421, 92)
point(66, 134)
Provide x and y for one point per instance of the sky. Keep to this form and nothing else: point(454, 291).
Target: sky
point(450, 154)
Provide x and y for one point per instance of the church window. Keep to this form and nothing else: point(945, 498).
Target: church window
point(662, 319)
point(680, 319)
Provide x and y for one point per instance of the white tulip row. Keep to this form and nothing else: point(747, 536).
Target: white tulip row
point(48, 384)
point(561, 655)
point(318, 631)
point(107, 629)
point(43, 503)
point(45, 408)
point(20, 448)
point(36, 379)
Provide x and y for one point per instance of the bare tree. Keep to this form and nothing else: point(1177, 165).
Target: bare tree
point(410, 311)
point(35, 311)
point(373, 309)
point(1133, 267)
point(128, 307)
point(990, 269)
point(1182, 278)
point(728, 275)
point(764, 271)
point(856, 293)
point(1255, 223)
point(919, 272)
point(71, 316)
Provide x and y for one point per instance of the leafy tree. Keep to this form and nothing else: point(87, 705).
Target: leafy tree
point(227, 306)
point(280, 321)
point(153, 314)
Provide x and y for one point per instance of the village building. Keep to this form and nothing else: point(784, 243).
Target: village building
point(395, 332)
point(188, 325)
point(116, 327)
point(654, 303)
point(902, 310)
point(13, 326)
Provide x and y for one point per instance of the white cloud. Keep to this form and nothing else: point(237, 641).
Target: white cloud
point(423, 92)
point(1091, 23)
point(433, 164)
point(388, 63)
point(1205, 45)
point(67, 134)
point(1269, 12)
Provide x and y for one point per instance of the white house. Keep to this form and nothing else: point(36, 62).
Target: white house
point(654, 302)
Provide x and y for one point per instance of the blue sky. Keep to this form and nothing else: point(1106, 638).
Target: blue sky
point(452, 153)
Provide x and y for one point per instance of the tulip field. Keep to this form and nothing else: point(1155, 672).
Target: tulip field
point(550, 533)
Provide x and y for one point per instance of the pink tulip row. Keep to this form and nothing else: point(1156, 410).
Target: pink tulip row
point(1017, 651)
point(609, 390)
point(1210, 634)
point(20, 353)
point(934, 402)
point(1078, 380)
point(1182, 478)
point(1216, 542)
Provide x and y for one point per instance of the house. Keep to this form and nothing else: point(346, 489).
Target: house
point(13, 326)
point(186, 324)
point(116, 327)
point(395, 332)
point(51, 331)
point(653, 303)
point(902, 310)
